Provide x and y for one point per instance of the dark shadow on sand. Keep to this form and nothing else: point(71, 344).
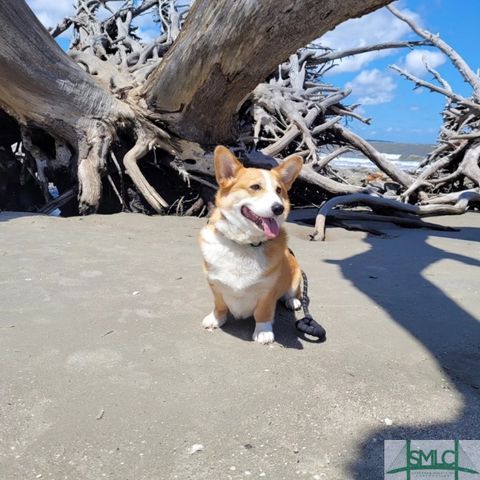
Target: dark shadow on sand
point(283, 328)
point(450, 333)
point(6, 216)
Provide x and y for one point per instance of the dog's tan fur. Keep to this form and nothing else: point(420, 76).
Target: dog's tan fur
point(247, 279)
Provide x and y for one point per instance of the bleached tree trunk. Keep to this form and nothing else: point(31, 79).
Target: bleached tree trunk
point(223, 52)
point(226, 49)
point(39, 83)
point(42, 87)
point(234, 71)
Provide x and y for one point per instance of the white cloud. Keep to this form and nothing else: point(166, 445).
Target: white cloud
point(414, 62)
point(50, 13)
point(376, 27)
point(372, 87)
point(148, 30)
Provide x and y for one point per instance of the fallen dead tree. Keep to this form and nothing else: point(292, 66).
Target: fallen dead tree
point(400, 213)
point(454, 162)
point(122, 124)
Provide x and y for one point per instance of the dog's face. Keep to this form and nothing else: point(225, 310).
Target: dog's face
point(254, 202)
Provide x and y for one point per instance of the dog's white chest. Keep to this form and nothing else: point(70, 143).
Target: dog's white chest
point(231, 264)
point(236, 270)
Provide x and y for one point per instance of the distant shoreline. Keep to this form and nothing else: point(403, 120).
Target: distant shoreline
point(363, 163)
point(406, 156)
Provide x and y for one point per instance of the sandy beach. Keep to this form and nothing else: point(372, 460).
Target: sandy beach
point(106, 372)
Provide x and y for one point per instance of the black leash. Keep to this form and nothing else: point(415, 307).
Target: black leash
point(307, 324)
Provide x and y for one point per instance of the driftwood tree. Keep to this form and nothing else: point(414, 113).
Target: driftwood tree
point(447, 182)
point(455, 160)
point(122, 124)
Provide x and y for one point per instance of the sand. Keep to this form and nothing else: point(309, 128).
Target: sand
point(106, 373)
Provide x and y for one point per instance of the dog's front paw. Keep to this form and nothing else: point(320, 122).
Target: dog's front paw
point(293, 303)
point(211, 321)
point(263, 333)
point(264, 337)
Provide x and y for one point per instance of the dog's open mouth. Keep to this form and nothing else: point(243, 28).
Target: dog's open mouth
point(269, 226)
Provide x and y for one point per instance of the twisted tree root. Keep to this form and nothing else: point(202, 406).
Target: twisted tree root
point(365, 199)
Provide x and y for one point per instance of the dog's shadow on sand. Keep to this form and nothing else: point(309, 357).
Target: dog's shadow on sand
point(284, 328)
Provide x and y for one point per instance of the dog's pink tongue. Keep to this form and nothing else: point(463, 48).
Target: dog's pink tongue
point(270, 227)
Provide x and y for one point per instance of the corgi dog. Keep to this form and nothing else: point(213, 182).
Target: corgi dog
point(246, 259)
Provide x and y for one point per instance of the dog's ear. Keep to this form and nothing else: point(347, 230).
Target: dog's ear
point(226, 163)
point(289, 169)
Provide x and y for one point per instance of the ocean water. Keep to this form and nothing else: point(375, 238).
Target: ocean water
point(349, 162)
point(406, 156)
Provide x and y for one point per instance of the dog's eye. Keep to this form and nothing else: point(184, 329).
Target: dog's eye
point(279, 190)
point(255, 186)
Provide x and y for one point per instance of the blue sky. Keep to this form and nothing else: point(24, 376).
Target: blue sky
point(398, 113)
point(402, 114)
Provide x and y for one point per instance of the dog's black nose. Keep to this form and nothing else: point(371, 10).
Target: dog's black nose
point(277, 208)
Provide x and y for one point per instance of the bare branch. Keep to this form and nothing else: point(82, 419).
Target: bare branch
point(315, 58)
point(375, 201)
point(422, 83)
point(323, 162)
point(376, 157)
point(462, 66)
